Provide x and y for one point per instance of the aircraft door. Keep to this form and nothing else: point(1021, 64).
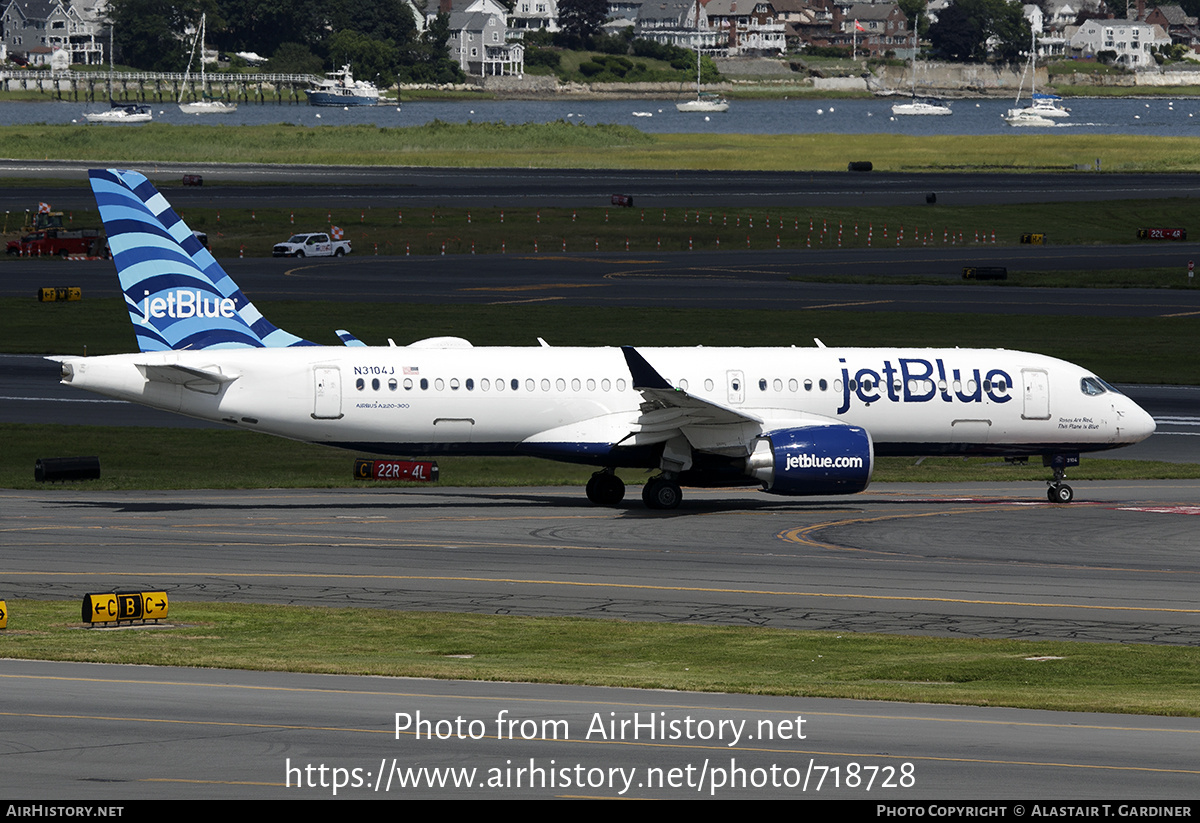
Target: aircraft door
point(735, 381)
point(1036, 394)
point(327, 393)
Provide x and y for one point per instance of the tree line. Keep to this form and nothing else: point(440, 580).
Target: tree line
point(378, 38)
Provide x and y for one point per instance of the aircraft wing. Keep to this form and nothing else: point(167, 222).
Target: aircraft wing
point(665, 413)
point(664, 402)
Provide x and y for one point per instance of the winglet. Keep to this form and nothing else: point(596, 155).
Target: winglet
point(177, 295)
point(643, 374)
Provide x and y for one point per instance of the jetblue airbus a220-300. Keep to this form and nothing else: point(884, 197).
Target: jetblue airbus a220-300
point(797, 421)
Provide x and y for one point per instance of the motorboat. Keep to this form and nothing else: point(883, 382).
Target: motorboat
point(925, 107)
point(1027, 117)
point(1049, 105)
point(339, 88)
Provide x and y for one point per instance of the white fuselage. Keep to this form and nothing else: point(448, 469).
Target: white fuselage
point(410, 400)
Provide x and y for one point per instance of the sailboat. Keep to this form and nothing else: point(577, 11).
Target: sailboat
point(1044, 108)
point(205, 106)
point(118, 113)
point(915, 106)
point(705, 101)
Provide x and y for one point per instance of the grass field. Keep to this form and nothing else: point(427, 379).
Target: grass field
point(1137, 679)
point(563, 145)
point(439, 229)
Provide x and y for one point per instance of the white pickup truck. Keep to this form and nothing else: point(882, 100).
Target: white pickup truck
point(316, 244)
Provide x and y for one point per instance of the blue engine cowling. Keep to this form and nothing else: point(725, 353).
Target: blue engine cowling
point(828, 458)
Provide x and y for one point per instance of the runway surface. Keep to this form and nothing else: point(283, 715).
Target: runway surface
point(1117, 565)
point(113, 733)
point(230, 185)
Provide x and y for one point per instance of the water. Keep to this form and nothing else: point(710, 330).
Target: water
point(1137, 116)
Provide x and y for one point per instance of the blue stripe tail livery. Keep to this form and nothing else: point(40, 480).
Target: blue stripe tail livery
point(177, 294)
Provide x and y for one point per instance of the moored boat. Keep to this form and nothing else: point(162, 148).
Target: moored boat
point(922, 107)
point(339, 88)
point(208, 105)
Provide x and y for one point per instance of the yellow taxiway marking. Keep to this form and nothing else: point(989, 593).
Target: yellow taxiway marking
point(623, 586)
point(538, 287)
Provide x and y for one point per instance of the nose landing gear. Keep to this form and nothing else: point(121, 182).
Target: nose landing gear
point(1058, 491)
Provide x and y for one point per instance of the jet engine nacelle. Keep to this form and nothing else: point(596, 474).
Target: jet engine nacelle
point(830, 458)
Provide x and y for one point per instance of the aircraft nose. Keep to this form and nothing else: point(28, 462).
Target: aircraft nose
point(1137, 424)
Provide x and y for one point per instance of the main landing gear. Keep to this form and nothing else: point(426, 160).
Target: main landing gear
point(661, 492)
point(605, 489)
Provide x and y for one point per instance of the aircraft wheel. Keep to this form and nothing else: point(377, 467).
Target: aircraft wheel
point(605, 489)
point(1061, 494)
point(661, 494)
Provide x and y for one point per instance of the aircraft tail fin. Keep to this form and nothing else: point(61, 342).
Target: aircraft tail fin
point(177, 294)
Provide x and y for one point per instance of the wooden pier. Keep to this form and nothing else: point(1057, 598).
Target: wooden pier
point(151, 87)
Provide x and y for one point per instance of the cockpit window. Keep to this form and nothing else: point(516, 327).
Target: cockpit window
point(1092, 386)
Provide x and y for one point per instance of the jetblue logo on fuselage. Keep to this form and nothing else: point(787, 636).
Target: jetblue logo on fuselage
point(179, 305)
point(916, 380)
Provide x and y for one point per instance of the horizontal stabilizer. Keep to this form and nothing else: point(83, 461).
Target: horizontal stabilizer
point(187, 375)
point(349, 339)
